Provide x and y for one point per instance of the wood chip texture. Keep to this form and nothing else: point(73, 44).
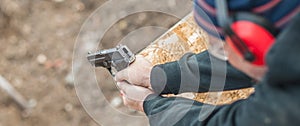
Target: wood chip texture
point(187, 36)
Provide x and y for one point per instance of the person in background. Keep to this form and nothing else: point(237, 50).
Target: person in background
point(262, 41)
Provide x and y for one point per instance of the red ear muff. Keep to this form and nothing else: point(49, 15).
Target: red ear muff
point(250, 35)
point(255, 37)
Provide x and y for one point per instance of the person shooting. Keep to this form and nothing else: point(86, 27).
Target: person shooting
point(261, 41)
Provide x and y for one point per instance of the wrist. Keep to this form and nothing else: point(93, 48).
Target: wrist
point(148, 79)
point(148, 103)
point(141, 104)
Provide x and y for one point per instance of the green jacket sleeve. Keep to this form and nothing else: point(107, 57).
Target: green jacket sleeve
point(269, 106)
point(168, 78)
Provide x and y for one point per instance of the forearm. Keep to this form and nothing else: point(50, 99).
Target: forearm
point(171, 111)
point(180, 111)
point(167, 78)
point(270, 105)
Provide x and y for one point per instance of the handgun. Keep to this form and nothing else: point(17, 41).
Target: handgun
point(114, 59)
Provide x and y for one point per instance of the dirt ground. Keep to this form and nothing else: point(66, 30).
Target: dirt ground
point(37, 39)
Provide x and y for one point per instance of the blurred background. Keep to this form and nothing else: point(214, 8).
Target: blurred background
point(36, 46)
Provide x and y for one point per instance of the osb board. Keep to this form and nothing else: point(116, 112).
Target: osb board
point(185, 37)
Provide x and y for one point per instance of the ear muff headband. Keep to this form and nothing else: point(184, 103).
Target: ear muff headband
point(224, 22)
point(222, 14)
point(250, 35)
point(245, 16)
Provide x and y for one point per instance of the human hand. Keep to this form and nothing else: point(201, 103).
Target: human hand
point(133, 96)
point(138, 73)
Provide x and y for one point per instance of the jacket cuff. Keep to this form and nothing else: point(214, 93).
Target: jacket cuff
point(150, 99)
point(165, 77)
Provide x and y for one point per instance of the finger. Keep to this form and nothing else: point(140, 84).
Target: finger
point(125, 102)
point(129, 103)
point(123, 86)
point(122, 93)
point(132, 104)
point(122, 75)
point(139, 56)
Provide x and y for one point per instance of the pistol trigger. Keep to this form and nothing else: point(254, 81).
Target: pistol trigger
point(109, 69)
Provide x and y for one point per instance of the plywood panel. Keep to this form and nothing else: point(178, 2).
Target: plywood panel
point(185, 37)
